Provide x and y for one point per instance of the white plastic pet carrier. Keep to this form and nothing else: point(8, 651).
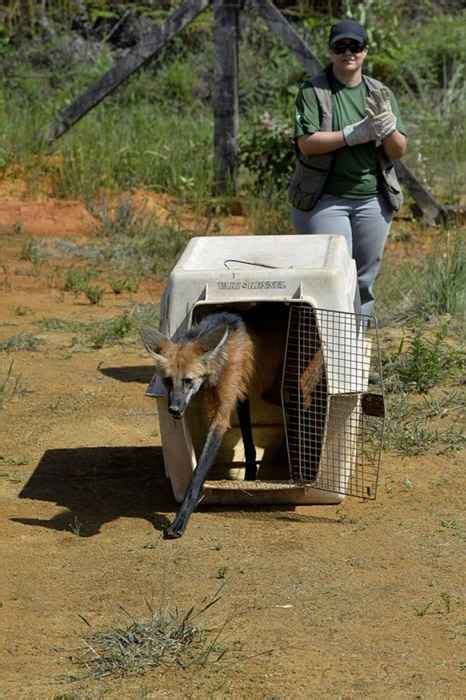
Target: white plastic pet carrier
point(316, 426)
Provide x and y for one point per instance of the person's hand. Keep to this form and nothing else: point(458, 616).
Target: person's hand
point(379, 111)
point(378, 101)
point(384, 124)
point(359, 132)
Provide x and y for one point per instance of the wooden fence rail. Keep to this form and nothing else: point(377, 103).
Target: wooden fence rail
point(225, 102)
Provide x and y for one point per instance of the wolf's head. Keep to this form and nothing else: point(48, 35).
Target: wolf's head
point(184, 365)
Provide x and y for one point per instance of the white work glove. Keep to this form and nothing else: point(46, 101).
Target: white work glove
point(359, 132)
point(378, 101)
point(379, 111)
point(384, 124)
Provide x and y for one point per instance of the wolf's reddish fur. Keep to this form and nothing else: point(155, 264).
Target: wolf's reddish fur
point(217, 354)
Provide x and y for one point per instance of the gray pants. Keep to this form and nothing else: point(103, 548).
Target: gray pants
point(364, 223)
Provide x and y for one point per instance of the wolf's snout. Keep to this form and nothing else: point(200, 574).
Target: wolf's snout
point(175, 411)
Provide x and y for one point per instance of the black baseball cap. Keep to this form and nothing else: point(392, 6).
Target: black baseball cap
point(347, 29)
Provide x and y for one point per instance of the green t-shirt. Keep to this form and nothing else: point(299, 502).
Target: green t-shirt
point(354, 170)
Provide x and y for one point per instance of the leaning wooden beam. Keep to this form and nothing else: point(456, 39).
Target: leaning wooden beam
point(432, 212)
point(225, 94)
point(280, 26)
point(121, 71)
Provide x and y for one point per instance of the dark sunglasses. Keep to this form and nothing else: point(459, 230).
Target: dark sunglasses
point(353, 46)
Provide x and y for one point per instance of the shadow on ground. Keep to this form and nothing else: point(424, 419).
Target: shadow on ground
point(141, 374)
point(96, 485)
point(100, 484)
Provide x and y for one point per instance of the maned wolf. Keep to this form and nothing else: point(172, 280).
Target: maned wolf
point(218, 353)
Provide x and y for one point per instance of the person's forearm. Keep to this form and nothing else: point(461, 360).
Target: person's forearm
point(321, 142)
point(395, 145)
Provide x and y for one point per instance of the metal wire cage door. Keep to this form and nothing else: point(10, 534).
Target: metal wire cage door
point(333, 425)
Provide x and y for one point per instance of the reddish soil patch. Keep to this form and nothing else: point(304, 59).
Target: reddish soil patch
point(364, 600)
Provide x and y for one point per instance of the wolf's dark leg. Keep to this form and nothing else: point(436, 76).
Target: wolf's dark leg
point(192, 495)
point(244, 416)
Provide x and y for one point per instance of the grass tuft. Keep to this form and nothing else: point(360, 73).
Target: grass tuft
point(169, 638)
point(124, 284)
point(10, 386)
point(94, 293)
point(77, 279)
point(111, 331)
point(21, 341)
point(33, 251)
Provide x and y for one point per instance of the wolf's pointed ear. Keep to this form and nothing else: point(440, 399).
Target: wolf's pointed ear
point(212, 342)
point(153, 341)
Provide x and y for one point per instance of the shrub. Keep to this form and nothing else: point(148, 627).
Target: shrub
point(111, 331)
point(94, 294)
point(77, 279)
point(124, 284)
point(267, 153)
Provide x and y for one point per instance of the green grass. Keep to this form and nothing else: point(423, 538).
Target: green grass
point(421, 362)
point(124, 284)
point(414, 429)
point(94, 293)
point(445, 288)
point(33, 251)
point(110, 331)
point(137, 147)
point(425, 289)
point(21, 341)
point(77, 279)
point(167, 638)
point(155, 131)
point(62, 325)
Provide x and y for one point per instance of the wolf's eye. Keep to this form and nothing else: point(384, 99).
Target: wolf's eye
point(187, 382)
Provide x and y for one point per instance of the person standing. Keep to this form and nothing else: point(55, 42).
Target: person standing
point(348, 132)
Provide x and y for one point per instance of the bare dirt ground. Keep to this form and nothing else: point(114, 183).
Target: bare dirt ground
point(363, 600)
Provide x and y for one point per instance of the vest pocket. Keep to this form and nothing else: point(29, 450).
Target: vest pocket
point(391, 180)
point(306, 186)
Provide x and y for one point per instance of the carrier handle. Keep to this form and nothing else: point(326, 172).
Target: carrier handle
point(248, 262)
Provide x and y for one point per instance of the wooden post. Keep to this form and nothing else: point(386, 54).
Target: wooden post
point(279, 25)
point(432, 212)
point(144, 51)
point(225, 97)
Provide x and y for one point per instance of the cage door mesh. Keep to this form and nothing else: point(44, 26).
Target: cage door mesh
point(333, 443)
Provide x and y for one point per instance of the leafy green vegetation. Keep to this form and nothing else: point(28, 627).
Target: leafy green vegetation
point(426, 288)
point(99, 334)
point(423, 364)
point(155, 131)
